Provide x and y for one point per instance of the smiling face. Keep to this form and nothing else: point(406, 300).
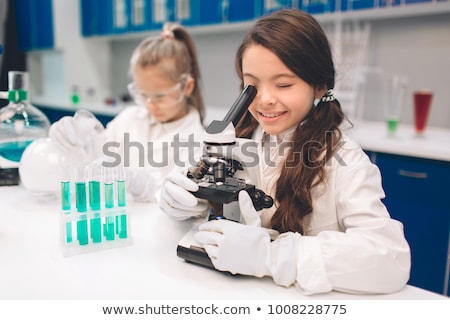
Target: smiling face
point(283, 99)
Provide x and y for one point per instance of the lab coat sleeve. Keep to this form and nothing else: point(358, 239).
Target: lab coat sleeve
point(370, 256)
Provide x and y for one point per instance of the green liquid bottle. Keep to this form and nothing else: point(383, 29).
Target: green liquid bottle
point(392, 125)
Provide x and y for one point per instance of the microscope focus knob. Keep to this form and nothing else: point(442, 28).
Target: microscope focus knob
point(261, 200)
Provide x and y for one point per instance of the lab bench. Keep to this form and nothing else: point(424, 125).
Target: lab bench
point(33, 265)
point(415, 174)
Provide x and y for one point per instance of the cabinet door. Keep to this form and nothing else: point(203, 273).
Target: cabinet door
point(140, 15)
point(416, 195)
point(244, 10)
point(34, 21)
point(199, 12)
point(104, 17)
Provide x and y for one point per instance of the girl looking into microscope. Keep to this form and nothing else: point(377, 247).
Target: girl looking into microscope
point(334, 231)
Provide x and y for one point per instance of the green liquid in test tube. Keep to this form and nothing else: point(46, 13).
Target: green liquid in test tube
point(94, 202)
point(80, 196)
point(121, 202)
point(66, 206)
point(109, 202)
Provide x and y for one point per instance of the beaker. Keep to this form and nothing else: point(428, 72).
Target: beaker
point(395, 89)
point(20, 122)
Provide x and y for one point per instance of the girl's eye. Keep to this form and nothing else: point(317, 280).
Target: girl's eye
point(284, 85)
point(159, 96)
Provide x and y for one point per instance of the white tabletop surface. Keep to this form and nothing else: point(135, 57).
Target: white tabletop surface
point(32, 264)
point(433, 144)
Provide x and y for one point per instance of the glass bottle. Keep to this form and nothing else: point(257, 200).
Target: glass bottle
point(20, 122)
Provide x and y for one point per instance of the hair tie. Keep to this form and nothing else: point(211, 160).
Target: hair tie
point(167, 34)
point(328, 96)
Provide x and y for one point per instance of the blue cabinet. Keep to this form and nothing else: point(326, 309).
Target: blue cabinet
point(34, 23)
point(112, 17)
point(104, 17)
point(417, 194)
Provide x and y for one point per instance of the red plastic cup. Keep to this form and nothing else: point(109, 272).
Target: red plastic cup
point(422, 105)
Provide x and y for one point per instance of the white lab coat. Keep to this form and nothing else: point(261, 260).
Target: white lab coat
point(350, 243)
point(146, 143)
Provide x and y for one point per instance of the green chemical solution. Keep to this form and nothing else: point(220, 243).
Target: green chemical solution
point(109, 195)
point(392, 125)
point(94, 203)
point(65, 200)
point(13, 150)
point(82, 224)
point(94, 194)
point(121, 220)
point(109, 203)
point(80, 195)
point(65, 195)
point(121, 194)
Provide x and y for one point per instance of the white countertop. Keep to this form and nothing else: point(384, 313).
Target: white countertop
point(373, 136)
point(32, 265)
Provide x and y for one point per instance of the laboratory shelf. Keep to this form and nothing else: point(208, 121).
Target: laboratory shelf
point(373, 14)
point(383, 13)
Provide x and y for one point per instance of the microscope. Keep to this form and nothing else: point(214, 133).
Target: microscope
point(227, 166)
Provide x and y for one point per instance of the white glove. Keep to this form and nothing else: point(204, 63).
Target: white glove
point(82, 133)
point(177, 201)
point(248, 249)
point(139, 184)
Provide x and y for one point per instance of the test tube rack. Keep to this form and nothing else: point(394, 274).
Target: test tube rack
point(93, 212)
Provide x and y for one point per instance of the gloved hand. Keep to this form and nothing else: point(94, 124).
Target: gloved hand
point(82, 133)
point(177, 201)
point(247, 249)
point(139, 184)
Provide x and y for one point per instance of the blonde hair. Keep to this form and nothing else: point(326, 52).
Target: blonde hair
point(177, 45)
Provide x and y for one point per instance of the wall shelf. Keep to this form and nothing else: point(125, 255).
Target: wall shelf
point(381, 13)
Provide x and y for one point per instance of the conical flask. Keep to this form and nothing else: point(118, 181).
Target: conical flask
point(20, 122)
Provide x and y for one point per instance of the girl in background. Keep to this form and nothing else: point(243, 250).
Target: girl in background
point(334, 231)
point(169, 107)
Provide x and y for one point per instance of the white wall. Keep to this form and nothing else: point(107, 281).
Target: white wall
point(417, 47)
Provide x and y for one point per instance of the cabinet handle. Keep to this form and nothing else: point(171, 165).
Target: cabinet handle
point(412, 174)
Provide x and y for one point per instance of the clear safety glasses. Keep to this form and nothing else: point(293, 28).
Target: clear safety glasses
point(163, 99)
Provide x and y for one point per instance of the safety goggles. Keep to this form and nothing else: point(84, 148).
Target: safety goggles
point(163, 99)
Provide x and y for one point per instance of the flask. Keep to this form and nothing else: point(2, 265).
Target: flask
point(20, 122)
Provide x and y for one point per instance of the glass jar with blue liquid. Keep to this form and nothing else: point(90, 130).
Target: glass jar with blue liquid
point(20, 122)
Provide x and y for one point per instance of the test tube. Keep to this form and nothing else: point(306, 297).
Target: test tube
point(121, 193)
point(121, 202)
point(108, 185)
point(94, 202)
point(80, 197)
point(66, 202)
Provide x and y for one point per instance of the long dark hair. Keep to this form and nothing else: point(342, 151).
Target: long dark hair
point(301, 44)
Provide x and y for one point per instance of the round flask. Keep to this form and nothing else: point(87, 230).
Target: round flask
point(20, 122)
